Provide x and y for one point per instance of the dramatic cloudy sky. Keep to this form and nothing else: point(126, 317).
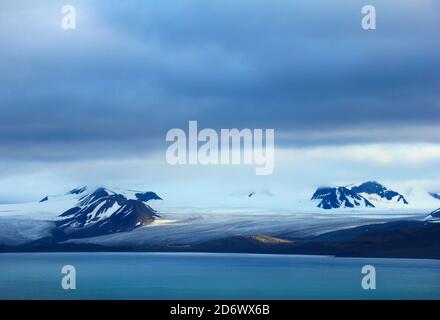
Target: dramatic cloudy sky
point(93, 105)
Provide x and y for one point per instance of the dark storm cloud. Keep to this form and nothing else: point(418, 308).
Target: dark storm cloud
point(134, 69)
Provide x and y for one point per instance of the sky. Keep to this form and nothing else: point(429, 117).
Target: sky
point(92, 106)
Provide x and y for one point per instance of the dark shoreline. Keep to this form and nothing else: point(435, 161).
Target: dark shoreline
point(401, 239)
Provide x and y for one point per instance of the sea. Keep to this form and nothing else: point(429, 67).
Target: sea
point(165, 276)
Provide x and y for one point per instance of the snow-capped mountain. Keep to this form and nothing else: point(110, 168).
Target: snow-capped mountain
point(104, 211)
point(375, 192)
point(88, 212)
point(369, 194)
point(337, 197)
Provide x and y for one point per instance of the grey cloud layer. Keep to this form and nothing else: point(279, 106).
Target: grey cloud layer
point(134, 69)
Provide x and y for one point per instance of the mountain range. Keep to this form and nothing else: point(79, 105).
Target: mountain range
point(369, 194)
point(87, 218)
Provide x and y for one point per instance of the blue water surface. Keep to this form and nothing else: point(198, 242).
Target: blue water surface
point(213, 276)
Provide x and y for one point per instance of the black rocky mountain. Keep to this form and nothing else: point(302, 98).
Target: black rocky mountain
point(332, 198)
point(103, 212)
point(355, 196)
point(375, 188)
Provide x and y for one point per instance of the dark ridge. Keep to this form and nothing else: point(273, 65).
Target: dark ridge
point(70, 212)
point(77, 190)
point(147, 196)
point(373, 187)
point(435, 195)
point(435, 213)
point(97, 194)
